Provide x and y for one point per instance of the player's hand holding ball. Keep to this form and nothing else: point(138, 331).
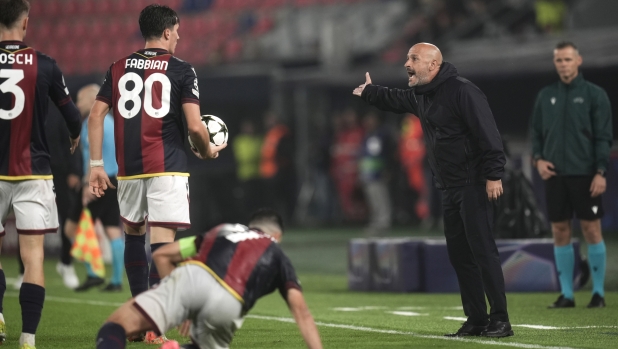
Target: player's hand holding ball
point(218, 134)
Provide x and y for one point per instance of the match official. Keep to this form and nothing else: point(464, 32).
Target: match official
point(571, 132)
point(466, 157)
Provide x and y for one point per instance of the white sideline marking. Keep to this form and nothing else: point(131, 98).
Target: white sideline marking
point(73, 300)
point(412, 334)
point(351, 327)
point(537, 327)
point(357, 308)
point(405, 313)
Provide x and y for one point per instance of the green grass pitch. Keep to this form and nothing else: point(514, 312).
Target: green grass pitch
point(345, 319)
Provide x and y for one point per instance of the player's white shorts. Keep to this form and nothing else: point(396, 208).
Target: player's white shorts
point(163, 200)
point(34, 204)
point(190, 292)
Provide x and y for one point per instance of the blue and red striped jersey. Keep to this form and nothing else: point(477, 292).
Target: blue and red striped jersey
point(146, 91)
point(247, 262)
point(27, 79)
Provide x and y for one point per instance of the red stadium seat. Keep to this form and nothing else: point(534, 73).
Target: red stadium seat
point(62, 29)
point(80, 30)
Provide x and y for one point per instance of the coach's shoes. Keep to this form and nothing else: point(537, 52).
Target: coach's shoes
point(151, 338)
point(562, 303)
point(467, 330)
point(91, 281)
point(498, 329)
point(597, 301)
point(68, 275)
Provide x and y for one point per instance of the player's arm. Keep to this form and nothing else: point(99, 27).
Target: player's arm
point(199, 133)
point(59, 94)
point(304, 320)
point(168, 256)
point(99, 181)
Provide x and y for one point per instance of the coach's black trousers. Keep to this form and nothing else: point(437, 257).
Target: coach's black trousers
point(468, 227)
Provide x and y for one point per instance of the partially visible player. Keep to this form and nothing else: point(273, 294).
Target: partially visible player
point(27, 78)
point(148, 91)
point(214, 281)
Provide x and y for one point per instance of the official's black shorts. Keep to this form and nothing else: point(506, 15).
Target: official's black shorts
point(568, 194)
point(104, 208)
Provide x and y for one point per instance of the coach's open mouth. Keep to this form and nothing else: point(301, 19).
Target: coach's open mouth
point(410, 74)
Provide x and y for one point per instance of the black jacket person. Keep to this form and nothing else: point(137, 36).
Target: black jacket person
point(467, 160)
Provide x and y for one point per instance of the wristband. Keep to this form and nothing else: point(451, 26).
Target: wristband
point(96, 163)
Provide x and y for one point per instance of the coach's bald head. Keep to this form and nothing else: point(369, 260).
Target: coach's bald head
point(86, 97)
point(423, 64)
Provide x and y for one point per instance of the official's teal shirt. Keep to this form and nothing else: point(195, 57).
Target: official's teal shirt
point(572, 127)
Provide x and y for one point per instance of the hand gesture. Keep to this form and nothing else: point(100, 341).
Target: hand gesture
point(545, 168)
point(598, 185)
point(99, 182)
point(494, 189)
point(74, 143)
point(359, 90)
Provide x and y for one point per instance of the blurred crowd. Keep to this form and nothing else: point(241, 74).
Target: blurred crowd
point(439, 21)
point(363, 171)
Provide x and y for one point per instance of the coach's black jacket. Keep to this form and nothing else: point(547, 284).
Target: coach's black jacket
point(463, 143)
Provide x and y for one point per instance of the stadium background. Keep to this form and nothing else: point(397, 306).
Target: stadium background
point(302, 58)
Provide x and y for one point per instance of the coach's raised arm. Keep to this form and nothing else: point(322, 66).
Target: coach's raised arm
point(465, 153)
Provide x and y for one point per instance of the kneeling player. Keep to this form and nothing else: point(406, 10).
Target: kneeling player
point(214, 281)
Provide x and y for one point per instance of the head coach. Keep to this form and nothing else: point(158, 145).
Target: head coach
point(465, 153)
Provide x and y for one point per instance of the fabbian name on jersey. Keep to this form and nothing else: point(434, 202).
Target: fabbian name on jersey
point(19, 58)
point(145, 64)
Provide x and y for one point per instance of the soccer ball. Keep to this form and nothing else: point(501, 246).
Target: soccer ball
point(217, 130)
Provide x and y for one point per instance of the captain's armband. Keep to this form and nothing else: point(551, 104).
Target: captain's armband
point(187, 247)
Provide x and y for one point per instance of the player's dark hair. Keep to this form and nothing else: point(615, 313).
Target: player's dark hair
point(266, 215)
point(565, 44)
point(11, 10)
point(154, 19)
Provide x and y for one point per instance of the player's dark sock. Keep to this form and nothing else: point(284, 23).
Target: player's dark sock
point(154, 277)
point(65, 252)
point(31, 298)
point(111, 336)
point(2, 288)
point(135, 263)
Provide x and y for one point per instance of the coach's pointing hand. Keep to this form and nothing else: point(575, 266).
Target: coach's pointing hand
point(494, 189)
point(359, 90)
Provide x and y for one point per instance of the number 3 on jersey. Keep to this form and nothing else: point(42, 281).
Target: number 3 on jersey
point(134, 95)
point(10, 86)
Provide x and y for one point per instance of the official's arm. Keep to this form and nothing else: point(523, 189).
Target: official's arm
point(602, 130)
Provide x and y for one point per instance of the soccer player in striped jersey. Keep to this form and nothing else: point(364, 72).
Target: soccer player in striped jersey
point(27, 79)
point(148, 91)
point(213, 282)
